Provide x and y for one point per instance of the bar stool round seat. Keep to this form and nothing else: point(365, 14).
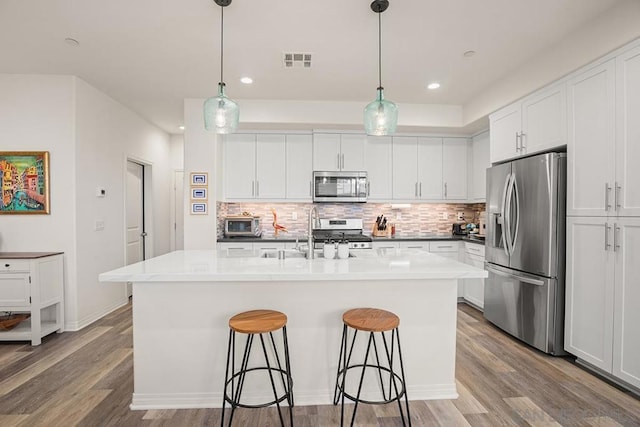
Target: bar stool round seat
point(260, 323)
point(391, 381)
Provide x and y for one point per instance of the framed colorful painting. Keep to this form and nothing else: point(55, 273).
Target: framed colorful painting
point(24, 180)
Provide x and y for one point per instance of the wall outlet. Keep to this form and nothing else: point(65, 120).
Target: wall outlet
point(294, 216)
point(460, 216)
point(99, 225)
point(444, 215)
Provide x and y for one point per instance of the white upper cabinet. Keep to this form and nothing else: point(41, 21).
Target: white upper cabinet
point(270, 166)
point(338, 152)
point(480, 162)
point(591, 145)
point(378, 164)
point(405, 168)
point(430, 168)
point(239, 166)
point(506, 126)
point(299, 166)
point(603, 176)
point(534, 124)
point(627, 182)
point(454, 168)
point(254, 166)
point(544, 120)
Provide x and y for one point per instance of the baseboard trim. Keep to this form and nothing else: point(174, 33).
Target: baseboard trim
point(609, 378)
point(87, 320)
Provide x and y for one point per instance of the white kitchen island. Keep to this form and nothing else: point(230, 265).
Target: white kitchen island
point(182, 302)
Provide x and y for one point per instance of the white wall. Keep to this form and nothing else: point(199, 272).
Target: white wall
point(89, 136)
point(200, 155)
point(37, 114)
point(108, 134)
point(613, 29)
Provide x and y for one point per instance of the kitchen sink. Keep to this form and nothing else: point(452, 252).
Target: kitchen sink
point(283, 254)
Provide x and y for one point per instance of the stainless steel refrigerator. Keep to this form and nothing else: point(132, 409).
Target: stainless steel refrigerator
point(525, 249)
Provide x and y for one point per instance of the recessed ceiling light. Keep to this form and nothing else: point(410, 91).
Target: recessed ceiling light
point(433, 85)
point(246, 80)
point(181, 127)
point(469, 53)
point(72, 42)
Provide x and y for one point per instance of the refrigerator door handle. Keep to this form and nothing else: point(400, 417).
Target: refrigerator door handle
point(519, 277)
point(514, 187)
point(507, 214)
point(502, 218)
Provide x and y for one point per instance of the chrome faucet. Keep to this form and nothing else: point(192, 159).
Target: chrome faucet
point(314, 218)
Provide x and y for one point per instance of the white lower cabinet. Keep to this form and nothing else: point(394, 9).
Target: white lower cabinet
point(602, 321)
point(474, 288)
point(35, 285)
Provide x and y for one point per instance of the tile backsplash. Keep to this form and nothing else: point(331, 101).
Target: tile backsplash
point(415, 218)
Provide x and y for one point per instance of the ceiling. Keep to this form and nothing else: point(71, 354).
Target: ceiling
point(152, 54)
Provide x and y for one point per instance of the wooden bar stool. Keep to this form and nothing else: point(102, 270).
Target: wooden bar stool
point(252, 323)
point(372, 320)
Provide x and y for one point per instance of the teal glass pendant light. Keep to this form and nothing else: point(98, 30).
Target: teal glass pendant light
point(380, 115)
point(221, 114)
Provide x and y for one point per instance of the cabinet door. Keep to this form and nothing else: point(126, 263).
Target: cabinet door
point(626, 358)
point(378, 164)
point(481, 162)
point(628, 134)
point(504, 126)
point(352, 148)
point(299, 166)
point(544, 120)
point(474, 288)
point(239, 166)
point(326, 152)
point(405, 168)
point(15, 290)
point(429, 168)
point(270, 166)
point(454, 168)
point(590, 149)
point(589, 291)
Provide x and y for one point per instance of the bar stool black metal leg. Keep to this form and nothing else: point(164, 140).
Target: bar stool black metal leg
point(235, 400)
point(226, 376)
point(289, 377)
point(364, 365)
point(343, 344)
point(273, 384)
point(406, 397)
point(375, 350)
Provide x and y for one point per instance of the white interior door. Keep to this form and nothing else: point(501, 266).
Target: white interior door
point(134, 206)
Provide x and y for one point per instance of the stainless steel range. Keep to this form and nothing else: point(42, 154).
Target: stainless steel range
point(337, 229)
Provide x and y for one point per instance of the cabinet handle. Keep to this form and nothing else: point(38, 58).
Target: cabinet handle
point(522, 139)
point(253, 188)
point(415, 191)
point(7, 265)
point(517, 138)
point(420, 190)
point(616, 196)
point(338, 159)
point(445, 190)
point(616, 244)
point(342, 164)
point(607, 189)
point(606, 236)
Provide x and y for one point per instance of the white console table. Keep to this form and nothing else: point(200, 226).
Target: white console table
point(32, 282)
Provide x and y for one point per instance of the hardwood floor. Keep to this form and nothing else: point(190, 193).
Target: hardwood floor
point(85, 378)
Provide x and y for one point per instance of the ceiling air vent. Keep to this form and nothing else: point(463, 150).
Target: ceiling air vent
point(296, 60)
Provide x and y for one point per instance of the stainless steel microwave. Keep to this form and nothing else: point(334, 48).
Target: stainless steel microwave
point(242, 226)
point(340, 187)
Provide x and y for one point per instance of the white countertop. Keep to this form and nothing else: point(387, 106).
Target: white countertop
point(220, 266)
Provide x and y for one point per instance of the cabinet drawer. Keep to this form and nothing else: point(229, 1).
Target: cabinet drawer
point(415, 245)
point(12, 265)
point(474, 248)
point(443, 246)
point(15, 290)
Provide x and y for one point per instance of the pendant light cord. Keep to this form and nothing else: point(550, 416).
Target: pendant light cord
point(221, 44)
point(379, 51)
